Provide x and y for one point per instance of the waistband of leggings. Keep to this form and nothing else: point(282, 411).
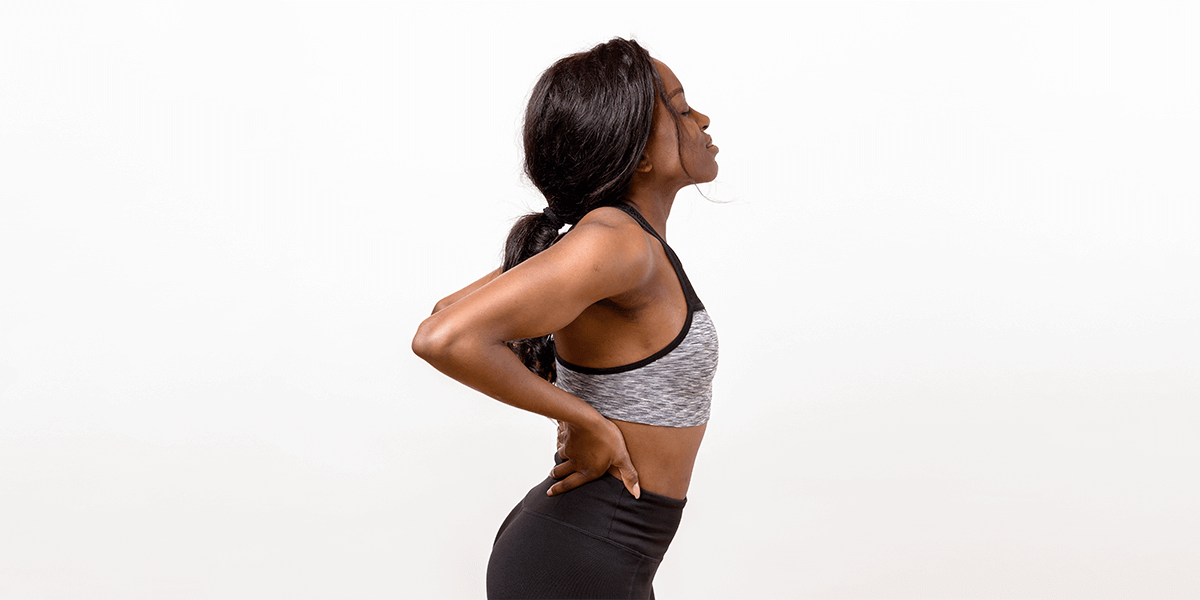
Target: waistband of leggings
point(605, 509)
point(647, 497)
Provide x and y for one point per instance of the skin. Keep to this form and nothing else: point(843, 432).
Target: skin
point(609, 295)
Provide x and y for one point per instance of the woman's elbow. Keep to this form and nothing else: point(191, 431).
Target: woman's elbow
point(442, 342)
point(432, 342)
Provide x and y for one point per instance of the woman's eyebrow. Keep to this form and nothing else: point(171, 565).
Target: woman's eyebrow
point(674, 93)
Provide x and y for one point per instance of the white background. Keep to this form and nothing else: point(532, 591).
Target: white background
point(953, 260)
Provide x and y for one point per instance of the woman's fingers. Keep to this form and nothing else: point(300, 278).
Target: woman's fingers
point(562, 470)
point(572, 481)
point(592, 454)
point(629, 476)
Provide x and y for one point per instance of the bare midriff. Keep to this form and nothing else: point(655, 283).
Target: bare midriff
point(663, 456)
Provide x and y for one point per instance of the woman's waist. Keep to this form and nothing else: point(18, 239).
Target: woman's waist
point(663, 456)
point(603, 508)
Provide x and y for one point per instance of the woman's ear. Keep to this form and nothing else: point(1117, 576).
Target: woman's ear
point(644, 165)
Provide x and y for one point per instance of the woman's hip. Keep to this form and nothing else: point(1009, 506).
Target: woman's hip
point(596, 540)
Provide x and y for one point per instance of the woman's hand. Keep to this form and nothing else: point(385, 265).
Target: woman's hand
point(590, 452)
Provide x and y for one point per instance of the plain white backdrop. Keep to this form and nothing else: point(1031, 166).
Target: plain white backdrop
point(953, 258)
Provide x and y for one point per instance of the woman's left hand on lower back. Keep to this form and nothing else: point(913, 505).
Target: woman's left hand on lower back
point(588, 455)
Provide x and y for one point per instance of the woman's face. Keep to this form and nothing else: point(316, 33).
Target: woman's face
point(677, 153)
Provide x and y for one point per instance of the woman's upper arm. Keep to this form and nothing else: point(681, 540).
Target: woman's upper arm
point(547, 292)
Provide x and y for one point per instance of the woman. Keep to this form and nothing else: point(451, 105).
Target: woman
point(616, 346)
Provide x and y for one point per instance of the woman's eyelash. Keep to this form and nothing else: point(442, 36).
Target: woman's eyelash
point(686, 112)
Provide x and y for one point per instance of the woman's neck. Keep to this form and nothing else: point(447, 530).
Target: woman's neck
point(655, 208)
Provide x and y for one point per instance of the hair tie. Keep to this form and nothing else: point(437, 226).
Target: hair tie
point(555, 222)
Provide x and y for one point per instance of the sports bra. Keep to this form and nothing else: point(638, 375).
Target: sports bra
point(670, 388)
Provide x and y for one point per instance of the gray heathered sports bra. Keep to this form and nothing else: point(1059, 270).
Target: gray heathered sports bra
point(670, 388)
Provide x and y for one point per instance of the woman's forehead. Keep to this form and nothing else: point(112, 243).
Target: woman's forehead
point(670, 81)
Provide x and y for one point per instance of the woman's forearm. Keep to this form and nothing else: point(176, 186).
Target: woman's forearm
point(460, 294)
point(492, 368)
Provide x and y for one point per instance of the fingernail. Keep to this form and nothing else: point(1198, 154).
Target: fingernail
point(549, 492)
point(637, 491)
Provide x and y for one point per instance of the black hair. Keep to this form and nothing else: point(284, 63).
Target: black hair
point(589, 118)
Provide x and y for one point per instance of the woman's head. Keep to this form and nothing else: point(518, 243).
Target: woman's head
point(589, 118)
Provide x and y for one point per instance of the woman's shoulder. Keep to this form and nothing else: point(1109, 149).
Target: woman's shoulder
point(607, 239)
point(612, 217)
point(611, 226)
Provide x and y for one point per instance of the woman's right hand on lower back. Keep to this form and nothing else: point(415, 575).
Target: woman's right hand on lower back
point(590, 452)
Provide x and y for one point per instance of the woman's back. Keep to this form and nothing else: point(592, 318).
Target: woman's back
point(645, 360)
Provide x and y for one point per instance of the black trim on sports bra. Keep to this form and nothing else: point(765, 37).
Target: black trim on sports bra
point(689, 293)
point(693, 304)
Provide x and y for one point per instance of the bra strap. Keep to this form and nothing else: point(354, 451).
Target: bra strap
point(693, 300)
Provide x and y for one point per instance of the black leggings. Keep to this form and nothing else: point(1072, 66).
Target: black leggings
point(595, 541)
